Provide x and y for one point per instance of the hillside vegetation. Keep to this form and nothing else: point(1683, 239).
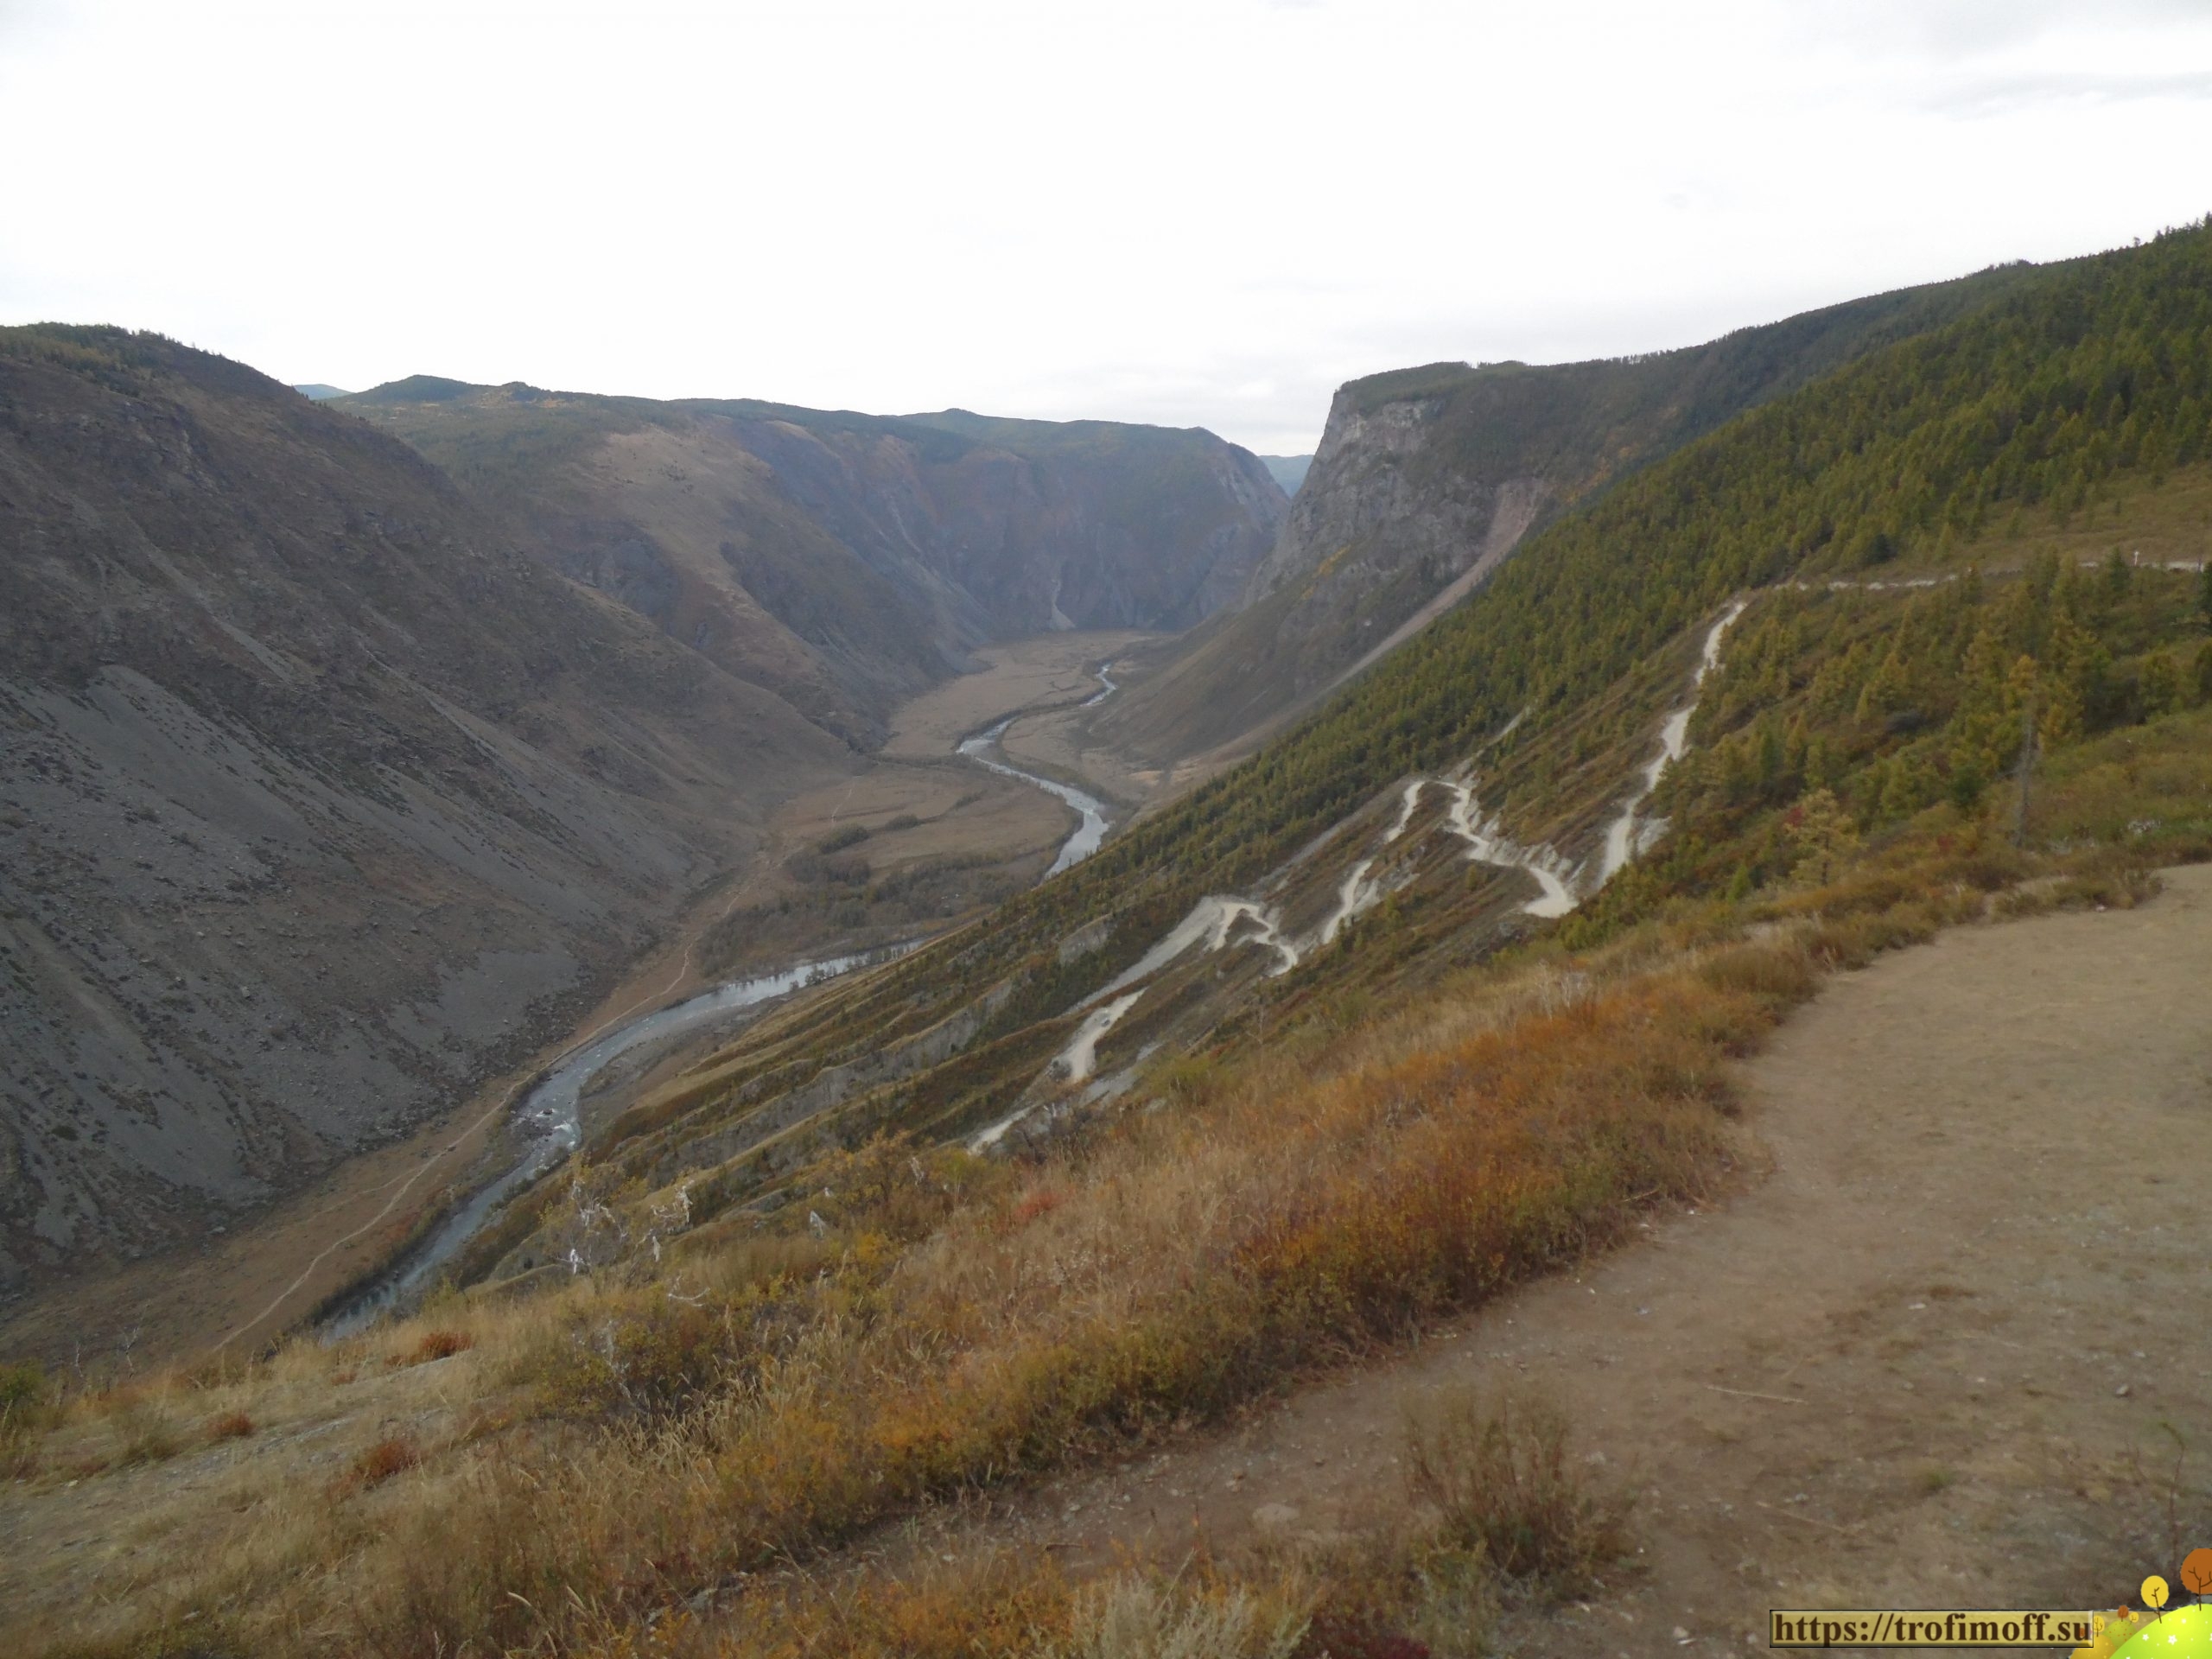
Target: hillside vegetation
point(1991, 440)
point(812, 1309)
point(1429, 478)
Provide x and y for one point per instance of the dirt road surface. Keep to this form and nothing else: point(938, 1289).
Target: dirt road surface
point(1945, 1348)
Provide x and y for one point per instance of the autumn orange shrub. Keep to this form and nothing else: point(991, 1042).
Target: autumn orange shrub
point(1041, 1201)
point(1195, 1260)
point(377, 1463)
point(435, 1344)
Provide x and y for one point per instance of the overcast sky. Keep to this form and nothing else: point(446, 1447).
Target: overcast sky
point(1204, 212)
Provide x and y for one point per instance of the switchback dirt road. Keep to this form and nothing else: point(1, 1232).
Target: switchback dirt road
point(1946, 1346)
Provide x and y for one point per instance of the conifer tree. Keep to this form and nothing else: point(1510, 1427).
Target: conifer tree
point(2161, 685)
point(1822, 836)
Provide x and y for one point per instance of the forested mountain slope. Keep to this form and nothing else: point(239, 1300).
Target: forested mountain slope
point(846, 560)
point(1998, 437)
point(1440, 990)
point(1428, 479)
point(319, 801)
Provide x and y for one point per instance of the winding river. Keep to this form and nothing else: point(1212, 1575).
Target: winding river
point(984, 750)
point(549, 1121)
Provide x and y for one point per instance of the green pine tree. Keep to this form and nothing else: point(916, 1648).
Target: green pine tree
point(1822, 836)
point(2161, 685)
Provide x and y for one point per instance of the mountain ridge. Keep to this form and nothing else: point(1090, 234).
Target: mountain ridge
point(1428, 478)
point(321, 801)
point(847, 561)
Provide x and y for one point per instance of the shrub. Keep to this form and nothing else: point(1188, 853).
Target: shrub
point(1498, 1471)
point(25, 1414)
point(435, 1344)
point(650, 1359)
point(22, 1387)
point(1136, 1618)
point(147, 1438)
point(394, 1455)
point(1041, 1202)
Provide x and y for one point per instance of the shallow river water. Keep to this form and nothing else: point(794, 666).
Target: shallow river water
point(548, 1121)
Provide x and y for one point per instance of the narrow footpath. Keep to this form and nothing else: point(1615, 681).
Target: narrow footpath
point(1926, 1355)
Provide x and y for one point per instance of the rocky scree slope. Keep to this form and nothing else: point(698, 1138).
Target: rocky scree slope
point(847, 561)
point(1427, 478)
point(319, 800)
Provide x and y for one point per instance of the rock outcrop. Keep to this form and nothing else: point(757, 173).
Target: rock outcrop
point(1427, 478)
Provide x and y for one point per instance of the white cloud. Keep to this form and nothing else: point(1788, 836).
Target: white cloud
point(1205, 212)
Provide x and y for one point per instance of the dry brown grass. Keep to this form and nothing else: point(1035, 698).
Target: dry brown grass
point(631, 1442)
point(440, 1344)
point(229, 1425)
point(954, 1336)
point(1498, 1475)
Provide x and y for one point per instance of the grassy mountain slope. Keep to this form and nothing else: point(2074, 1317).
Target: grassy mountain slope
point(793, 1331)
point(846, 560)
point(1427, 478)
point(2021, 412)
point(319, 801)
point(1321, 1181)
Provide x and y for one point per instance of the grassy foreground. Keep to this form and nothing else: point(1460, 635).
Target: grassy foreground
point(663, 1458)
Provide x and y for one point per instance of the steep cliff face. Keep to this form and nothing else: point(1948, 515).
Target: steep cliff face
point(1364, 486)
point(846, 560)
point(1038, 524)
point(1377, 531)
point(1427, 478)
point(318, 799)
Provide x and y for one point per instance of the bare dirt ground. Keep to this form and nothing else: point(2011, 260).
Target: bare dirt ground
point(1936, 1352)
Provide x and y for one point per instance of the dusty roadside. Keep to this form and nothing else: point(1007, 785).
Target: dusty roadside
point(1929, 1355)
